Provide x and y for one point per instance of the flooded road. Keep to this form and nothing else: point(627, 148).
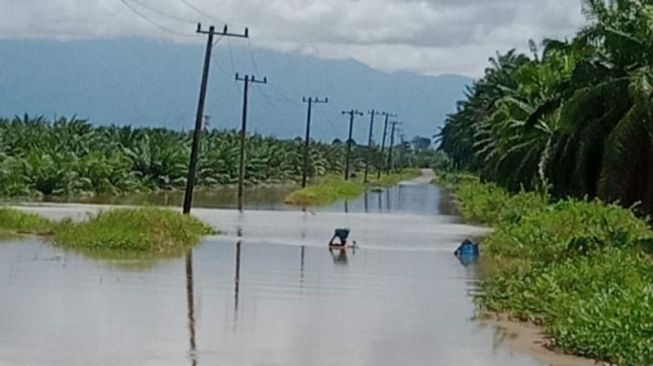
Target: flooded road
point(265, 292)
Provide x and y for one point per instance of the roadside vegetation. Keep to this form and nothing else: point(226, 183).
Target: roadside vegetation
point(582, 269)
point(141, 231)
point(14, 222)
point(333, 188)
point(575, 116)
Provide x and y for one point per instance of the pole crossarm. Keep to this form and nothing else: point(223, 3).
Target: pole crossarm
point(251, 79)
point(315, 100)
point(224, 33)
point(353, 112)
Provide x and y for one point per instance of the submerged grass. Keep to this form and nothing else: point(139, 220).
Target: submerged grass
point(332, 188)
point(116, 233)
point(329, 189)
point(13, 222)
point(578, 268)
point(142, 230)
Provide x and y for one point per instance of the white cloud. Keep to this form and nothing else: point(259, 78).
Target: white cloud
point(424, 36)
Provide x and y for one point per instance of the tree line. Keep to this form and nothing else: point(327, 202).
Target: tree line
point(575, 117)
point(72, 157)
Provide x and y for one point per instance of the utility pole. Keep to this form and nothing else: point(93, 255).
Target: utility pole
point(352, 113)
point(372, 113)
point(392, 142)
point(248, 79)
point(199, 117)
point(385, 133)
point(310, 102)
point(402, 151)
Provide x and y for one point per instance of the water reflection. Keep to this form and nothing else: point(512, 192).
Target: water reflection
point(408, 198)
point(367, 204)
point(340, 258)
point(237, 280)
point(269, 197)
point(190, 302)
point(302, 256)
point(467, 260)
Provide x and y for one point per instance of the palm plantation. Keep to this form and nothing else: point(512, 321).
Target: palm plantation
point(575, 117)
point(71, 157)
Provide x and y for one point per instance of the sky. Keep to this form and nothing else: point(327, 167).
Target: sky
point(421, 36)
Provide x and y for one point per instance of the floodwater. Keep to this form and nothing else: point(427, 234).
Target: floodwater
point(265, 292)
point(257, 198)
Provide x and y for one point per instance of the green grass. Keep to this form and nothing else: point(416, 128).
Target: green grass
point(143, 230)
point(332, 188)
point(14, 222)
point(328, 190)
point(116, 233)
point(578, 268)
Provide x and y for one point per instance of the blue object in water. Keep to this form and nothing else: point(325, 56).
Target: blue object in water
point(467, 249)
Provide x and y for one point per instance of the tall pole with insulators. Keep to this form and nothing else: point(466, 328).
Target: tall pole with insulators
point(385, 134)
point(307, 142)
point(247, 80)
point(402, 150)
point(351, 114)
point(372, 113)
point(392, 142)
point(199, 117)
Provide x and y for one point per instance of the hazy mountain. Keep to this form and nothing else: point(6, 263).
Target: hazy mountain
point(148, 83)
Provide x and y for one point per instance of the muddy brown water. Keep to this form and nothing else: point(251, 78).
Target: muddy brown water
point(265, 292)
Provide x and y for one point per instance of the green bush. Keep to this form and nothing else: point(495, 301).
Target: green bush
point(144, 230)
point(575, 267)
point(17, 222)
point(330, 189)
point(333, 188)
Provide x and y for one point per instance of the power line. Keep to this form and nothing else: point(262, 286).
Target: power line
point(251, 56)
point(162, 13)
point(210, 16)
point(144, 17)
point(231, 59)
point(202, 12)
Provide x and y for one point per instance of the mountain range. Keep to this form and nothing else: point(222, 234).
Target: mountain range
point(155, 83)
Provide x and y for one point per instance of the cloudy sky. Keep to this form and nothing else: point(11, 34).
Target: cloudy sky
point(423, 36)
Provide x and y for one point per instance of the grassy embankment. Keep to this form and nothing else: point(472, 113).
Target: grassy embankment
point(332, 188)
point(142, 231)
point(580, 269)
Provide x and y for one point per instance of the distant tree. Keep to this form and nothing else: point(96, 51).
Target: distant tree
point(421, 143)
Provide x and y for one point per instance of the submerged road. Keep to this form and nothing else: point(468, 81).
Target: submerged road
point(267, 291)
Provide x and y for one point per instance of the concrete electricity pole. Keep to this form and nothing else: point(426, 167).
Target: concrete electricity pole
point(392, 142)
point(385, 134)
point(199, 117)
point(247, 80)
point(352, 113)
point(372, 113)
point(310, 102)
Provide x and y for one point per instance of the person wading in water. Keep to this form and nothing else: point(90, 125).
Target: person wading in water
point(341, 235)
